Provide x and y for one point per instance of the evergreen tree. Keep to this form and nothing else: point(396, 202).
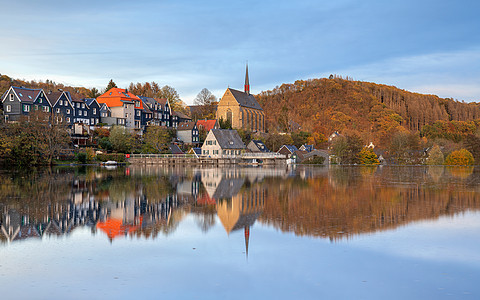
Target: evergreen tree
point(110, 85)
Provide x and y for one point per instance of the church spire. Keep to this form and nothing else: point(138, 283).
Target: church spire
point(247, 82)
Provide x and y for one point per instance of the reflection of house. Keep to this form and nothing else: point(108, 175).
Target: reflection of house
point(223, 143)
point(241, 109)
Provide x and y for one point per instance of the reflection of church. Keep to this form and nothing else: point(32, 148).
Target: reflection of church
point(238, 202)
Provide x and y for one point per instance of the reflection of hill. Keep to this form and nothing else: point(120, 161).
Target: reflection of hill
point(356, 202)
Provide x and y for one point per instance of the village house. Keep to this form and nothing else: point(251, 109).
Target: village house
point(257, 146)
point(223, 143)
point(207, 125)
point(62, 105)
point(93, 110)
point(241, 109)
point(19, 101)
point(287, 150)
point(121, 104)
point(179, 117)
point(307, 148)
point(187, 132)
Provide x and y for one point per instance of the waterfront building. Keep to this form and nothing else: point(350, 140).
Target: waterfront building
point(223, 143)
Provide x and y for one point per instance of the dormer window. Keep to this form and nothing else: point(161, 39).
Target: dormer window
point(39, 100)
point(11, 97)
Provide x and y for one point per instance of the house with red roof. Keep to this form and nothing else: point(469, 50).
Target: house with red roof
point(207, 125)
point(122, 105)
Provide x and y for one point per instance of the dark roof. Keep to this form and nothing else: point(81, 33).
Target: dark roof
point(26, 95)
point(198, 151)
point(307, 148)
point(290, 148)
point(228, 187)
point(228, 139)
point(181, 115)
point(186, 126)
point(244, 99)
point(175, 149)
point(53, 97)
point(260, 145)
point(89, 101)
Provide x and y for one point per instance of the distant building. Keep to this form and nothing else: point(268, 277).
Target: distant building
point(257, 146)
point(223, 143)
point(287, 150)
point(122, 105)
point(308, 148)
point(241, 109)
point(187, 132)
point(207, 125)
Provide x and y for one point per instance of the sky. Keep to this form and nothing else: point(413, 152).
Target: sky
point(424, 46)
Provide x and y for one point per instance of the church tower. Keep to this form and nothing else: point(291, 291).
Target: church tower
point(247, 82)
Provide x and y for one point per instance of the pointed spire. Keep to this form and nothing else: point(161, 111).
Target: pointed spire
point(247, 236)
point(247, 82)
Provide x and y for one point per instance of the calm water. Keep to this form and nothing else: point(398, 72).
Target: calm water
point(238, 233)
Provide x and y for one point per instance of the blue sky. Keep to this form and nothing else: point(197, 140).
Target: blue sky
point(424, 46)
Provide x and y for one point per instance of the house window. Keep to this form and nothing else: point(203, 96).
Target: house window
point(8, 108)
point(45, 108)
point(26, 108)
point(60, 102)
point(68, 120)
point(68, 111)
point(138, 113)
point(94, 111)
point(11, 97)
point(78, 105)
point(58, 110)
point(39, 100)
point(83, 105)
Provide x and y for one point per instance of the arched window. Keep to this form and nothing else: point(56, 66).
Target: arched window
point(229, 116)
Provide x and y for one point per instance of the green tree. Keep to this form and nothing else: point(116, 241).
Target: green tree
point(157, 139)
point(94, 93)
point(461, 157)
point(224, 124)
point(121, 139)
point(435, 156)
point(110, 85)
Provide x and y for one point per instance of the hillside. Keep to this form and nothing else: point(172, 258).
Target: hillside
point(368, 109)
point(48, 85)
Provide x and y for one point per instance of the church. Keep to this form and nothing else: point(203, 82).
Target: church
point(241, 109)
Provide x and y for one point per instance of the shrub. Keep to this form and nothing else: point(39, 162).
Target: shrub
point(82, 157)
point(368, 157)
point(461, 157)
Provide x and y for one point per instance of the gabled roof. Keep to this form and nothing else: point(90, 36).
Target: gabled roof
point(53, 97)
point(307, 148)
point(206, 124)
point(104, 106)
point(244, 99)
point(26, 95)
point(260, 145)
point(175, 149)
point(228, 139)
point(185, 126)
point(181, 115)
point(90, 101)
point(115, 97)
point(290, 148)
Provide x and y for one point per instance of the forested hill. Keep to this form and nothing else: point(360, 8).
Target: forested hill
point(336, 104)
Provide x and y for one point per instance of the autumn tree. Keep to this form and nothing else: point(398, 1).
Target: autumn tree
point(368, 157)
point(461, 157)
point(157, 139)
point(347, 148)
point(206, 103)
point(435, 156)
point(121, 139)
point(169, 93)
point(300, 138)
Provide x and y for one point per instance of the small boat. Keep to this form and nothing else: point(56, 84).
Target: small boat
point(110, 163)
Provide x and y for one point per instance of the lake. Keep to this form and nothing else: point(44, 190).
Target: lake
point(143, 232)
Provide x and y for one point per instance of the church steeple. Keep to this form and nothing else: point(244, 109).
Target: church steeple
point(247, 82)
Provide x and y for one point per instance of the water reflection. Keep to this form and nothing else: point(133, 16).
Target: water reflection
point(138, 201)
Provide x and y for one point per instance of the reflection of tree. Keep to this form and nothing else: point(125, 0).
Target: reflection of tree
point(381, 200)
